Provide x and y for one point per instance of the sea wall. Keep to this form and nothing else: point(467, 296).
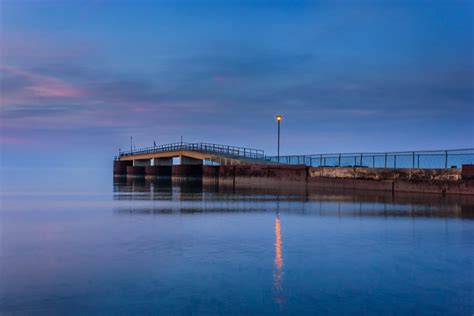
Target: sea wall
point(440, 181)
point(301, 177)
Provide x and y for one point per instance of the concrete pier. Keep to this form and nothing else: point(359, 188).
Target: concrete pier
point(439, 181)
point(247, 168)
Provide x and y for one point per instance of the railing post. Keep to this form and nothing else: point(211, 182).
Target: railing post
point(373, 161)
point(418, 160)
point(320, 160)
point(413, 160)
point(446, 159)
point(339, 160)
point(385, 161)
point(361, 159)
point(394, 161)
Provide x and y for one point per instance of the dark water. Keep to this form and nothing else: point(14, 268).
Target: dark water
point(82, 244)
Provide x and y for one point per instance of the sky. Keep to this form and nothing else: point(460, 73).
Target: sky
point(78, 78)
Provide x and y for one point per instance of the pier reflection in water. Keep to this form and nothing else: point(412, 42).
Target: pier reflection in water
point(195, 197)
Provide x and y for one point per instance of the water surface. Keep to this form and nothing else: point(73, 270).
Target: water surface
point(77, 242)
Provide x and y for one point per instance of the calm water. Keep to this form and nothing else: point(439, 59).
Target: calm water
point(76, 242)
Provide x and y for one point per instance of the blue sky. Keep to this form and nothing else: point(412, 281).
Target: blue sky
point(78, 78)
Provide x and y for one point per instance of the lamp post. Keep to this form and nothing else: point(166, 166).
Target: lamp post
point(278, 118)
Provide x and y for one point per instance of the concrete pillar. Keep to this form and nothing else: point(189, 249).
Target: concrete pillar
point(210, 175)
point(187, 171)
point(158, 171)
point(135, 170)
point(120, 167)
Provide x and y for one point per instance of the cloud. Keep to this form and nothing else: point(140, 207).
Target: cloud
point(19, 86)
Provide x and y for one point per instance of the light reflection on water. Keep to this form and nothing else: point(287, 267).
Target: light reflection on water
point(156, 247)
point(278, 274)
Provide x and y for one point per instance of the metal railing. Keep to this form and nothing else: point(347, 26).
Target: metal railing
point(403, 159)
point(241, 152)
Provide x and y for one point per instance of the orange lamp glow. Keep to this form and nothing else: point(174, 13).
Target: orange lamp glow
point(279, 117)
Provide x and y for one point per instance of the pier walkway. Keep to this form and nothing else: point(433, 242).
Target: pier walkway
point(194, 153)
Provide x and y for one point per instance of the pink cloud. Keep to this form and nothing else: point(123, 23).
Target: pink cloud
point(37, 85)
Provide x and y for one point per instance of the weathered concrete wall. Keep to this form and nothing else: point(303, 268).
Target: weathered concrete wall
point(434, 186)
point(441, 181)
point(158, 171)
point(467, 172)
point(120, 167)
point(452, 174)
point(210, 175)
point(187, 171)
point(135, 171)
point(349, 184)
point(300, 177)
point(261, 176)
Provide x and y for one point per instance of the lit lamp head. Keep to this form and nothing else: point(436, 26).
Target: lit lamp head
point(278, 117)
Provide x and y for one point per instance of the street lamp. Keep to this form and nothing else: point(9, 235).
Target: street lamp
point(278, 118)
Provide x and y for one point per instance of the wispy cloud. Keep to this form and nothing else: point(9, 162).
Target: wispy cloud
point(20, 86)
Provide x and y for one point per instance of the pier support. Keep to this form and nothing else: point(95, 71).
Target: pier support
point(158, 171)
point(187, 171)
point(120, 167)
point(135, 171)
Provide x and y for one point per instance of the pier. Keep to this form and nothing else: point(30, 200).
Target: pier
point(439, 172)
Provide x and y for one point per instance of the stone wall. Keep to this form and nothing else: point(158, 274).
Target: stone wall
point(467, 172)
point(300, 177)
point(365, 173)
point(441, 181)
